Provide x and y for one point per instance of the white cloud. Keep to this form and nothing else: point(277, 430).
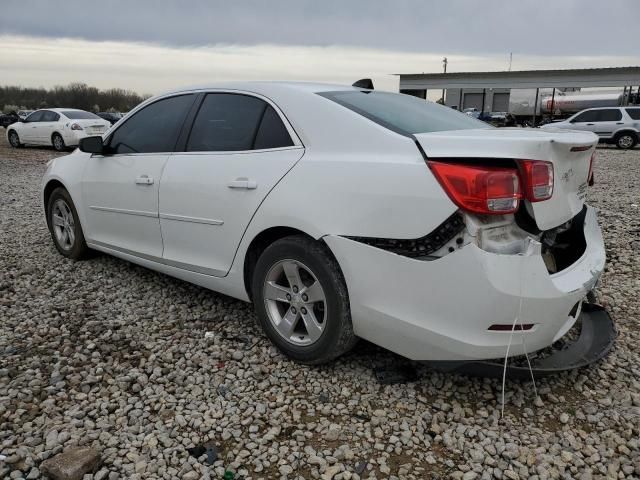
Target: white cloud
point(150, 68)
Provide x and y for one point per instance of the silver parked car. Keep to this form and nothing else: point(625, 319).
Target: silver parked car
point(617, 125)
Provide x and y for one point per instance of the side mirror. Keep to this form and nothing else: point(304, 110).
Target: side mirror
point(91, 145)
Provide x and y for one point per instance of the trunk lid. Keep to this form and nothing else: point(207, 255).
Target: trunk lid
point(569, 151)
point(92, 126)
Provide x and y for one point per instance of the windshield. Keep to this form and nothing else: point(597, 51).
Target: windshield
point(403, 114)
point(79, 115)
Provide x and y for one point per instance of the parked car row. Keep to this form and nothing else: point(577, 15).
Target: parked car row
point(59, 127)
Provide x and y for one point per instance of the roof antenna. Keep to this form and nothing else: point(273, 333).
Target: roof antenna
point(364, 83)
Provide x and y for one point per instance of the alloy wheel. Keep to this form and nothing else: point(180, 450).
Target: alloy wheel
point(14, 140)
point(295, 302)
point(625, 141)
point(63, 224)
point(58, 143)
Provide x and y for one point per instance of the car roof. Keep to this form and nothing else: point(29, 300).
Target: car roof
point(266, 87)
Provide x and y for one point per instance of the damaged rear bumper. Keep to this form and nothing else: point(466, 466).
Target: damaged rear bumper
point(597, 336)
point(443, 309)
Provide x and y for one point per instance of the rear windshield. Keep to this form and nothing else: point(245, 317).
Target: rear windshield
point(404, 114)
point(79, 115)
point(634, 113)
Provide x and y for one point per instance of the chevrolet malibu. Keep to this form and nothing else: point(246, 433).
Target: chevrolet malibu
point(58, 127)
point(343, 213)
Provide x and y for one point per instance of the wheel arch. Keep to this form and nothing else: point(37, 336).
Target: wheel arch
point(260, 243)
point(627, 130)
point(48, 190)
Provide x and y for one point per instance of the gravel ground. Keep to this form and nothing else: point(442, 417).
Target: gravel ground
point(106, 354)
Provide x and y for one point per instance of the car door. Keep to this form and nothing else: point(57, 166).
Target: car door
point(46, 126)
point(607, 121)
point(237, 150)
point(584, 121)
point(29, 131)
point(120, 188)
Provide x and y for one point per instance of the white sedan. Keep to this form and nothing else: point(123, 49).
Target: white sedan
point(343, 213)
point(60, 127)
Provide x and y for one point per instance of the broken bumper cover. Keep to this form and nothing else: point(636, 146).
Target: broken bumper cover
point(596, 339)
point(442, 309)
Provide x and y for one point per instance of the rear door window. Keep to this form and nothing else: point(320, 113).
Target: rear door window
point(608, 115)
point(634, 113)
point(272, 132)
point(226, 122)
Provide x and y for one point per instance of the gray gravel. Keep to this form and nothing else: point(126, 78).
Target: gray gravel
point(105, 354)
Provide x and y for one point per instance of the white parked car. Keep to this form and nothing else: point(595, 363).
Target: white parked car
point(343, 213)
point(60, 127)
point(617, 125)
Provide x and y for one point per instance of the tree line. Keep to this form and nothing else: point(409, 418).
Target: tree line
point(74, 95)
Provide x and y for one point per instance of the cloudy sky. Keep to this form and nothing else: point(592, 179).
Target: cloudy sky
point(152, 45)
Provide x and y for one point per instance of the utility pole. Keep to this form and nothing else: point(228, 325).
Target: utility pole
point(510, 59)
point(444, 64)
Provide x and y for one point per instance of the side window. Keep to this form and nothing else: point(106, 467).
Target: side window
point(609, 115)
point(588, 116)
point(226, 122)
point(155, 128)
point(272, 132)
point(35, 117)
point(50, 116)
point(634, 113)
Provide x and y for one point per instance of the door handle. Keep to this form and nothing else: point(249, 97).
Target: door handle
point(590, 124)
point(243, 182)
point(620, 123)
point(144, 180)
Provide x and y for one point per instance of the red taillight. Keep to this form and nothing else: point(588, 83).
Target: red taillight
point(590, 177)
point(538, 180)
point(487, 190)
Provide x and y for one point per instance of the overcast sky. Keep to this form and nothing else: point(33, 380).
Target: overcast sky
point(152, 45)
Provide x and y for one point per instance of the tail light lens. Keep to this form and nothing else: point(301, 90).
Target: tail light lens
point(478, 189)
point(538, 180)
point(75, 126)
point(590, 177)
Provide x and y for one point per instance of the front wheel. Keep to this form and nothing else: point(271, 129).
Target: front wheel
point(301, 300)
point(14, 139)
point(64, 225)
point(58, 142)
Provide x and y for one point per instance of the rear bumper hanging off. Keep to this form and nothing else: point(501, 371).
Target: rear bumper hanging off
point(596, 339)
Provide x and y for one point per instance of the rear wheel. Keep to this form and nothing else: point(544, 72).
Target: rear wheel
point(58, 142)
point(14, 139)
point(64, 225)
point(626, 140)
point(301, 300)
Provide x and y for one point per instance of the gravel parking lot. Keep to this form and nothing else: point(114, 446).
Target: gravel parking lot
point(106, 354)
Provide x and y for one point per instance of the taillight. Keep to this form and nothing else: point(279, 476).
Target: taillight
point(538, 180)
point(590, 177)
point(486, 190)
point(75, 126)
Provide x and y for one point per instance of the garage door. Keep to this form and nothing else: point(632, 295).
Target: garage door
point(473, 100)
point(500, 102)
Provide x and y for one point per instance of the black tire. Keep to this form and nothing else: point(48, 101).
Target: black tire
point(14, 139)
point(58, 142)
point(337, 335)
point(78, 248)
point(626, 140)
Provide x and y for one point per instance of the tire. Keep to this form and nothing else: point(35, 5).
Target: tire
point(14, 139)
point(58, 142)
point(626, 140)
point(331, 333)
point(64, 225)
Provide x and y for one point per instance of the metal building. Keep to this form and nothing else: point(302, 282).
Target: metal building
point(490, 91)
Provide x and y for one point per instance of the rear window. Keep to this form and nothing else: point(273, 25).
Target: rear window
point(80, 115)
point(634, 113)
point(404, 114)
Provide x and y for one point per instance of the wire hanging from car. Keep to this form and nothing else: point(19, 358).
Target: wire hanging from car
point(517, 319)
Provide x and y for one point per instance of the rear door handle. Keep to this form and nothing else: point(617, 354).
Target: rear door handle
point(243, 182)
point(144, 180)
point(590, 124)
